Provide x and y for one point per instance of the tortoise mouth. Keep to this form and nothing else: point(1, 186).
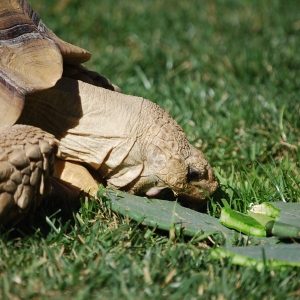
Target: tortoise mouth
point(154, 191)
point(195, 192)
point(207, 187)
point(163, 193)
point(198, 193)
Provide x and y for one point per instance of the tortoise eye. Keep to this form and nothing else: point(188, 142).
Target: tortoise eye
point(193, 174)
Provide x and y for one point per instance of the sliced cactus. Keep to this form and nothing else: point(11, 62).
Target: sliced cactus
point(168, 215)
point(261, 256)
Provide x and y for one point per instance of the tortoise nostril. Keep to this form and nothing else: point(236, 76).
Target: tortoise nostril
point(193, 174)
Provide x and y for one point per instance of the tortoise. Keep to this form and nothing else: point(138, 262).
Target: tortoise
point(64, 128)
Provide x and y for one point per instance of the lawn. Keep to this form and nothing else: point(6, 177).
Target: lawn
point(228, 73)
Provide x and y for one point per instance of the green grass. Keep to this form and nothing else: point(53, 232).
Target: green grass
point(228, 72)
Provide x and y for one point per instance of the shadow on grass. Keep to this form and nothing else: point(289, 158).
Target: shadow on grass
point(54, 214)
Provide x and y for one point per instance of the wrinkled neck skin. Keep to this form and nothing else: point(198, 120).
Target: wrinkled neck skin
point(94, 125)
point(130, 141)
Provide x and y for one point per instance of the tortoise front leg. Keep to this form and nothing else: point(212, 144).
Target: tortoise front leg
point(27, 157)
point(70, 178)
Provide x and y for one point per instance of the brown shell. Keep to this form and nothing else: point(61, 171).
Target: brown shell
point(31, 57)
point(71, 54)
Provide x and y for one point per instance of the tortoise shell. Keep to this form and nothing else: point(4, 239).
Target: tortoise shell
point(31, 57)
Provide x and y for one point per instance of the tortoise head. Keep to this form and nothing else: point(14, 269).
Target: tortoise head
point(190, 177)
point(169, 161)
